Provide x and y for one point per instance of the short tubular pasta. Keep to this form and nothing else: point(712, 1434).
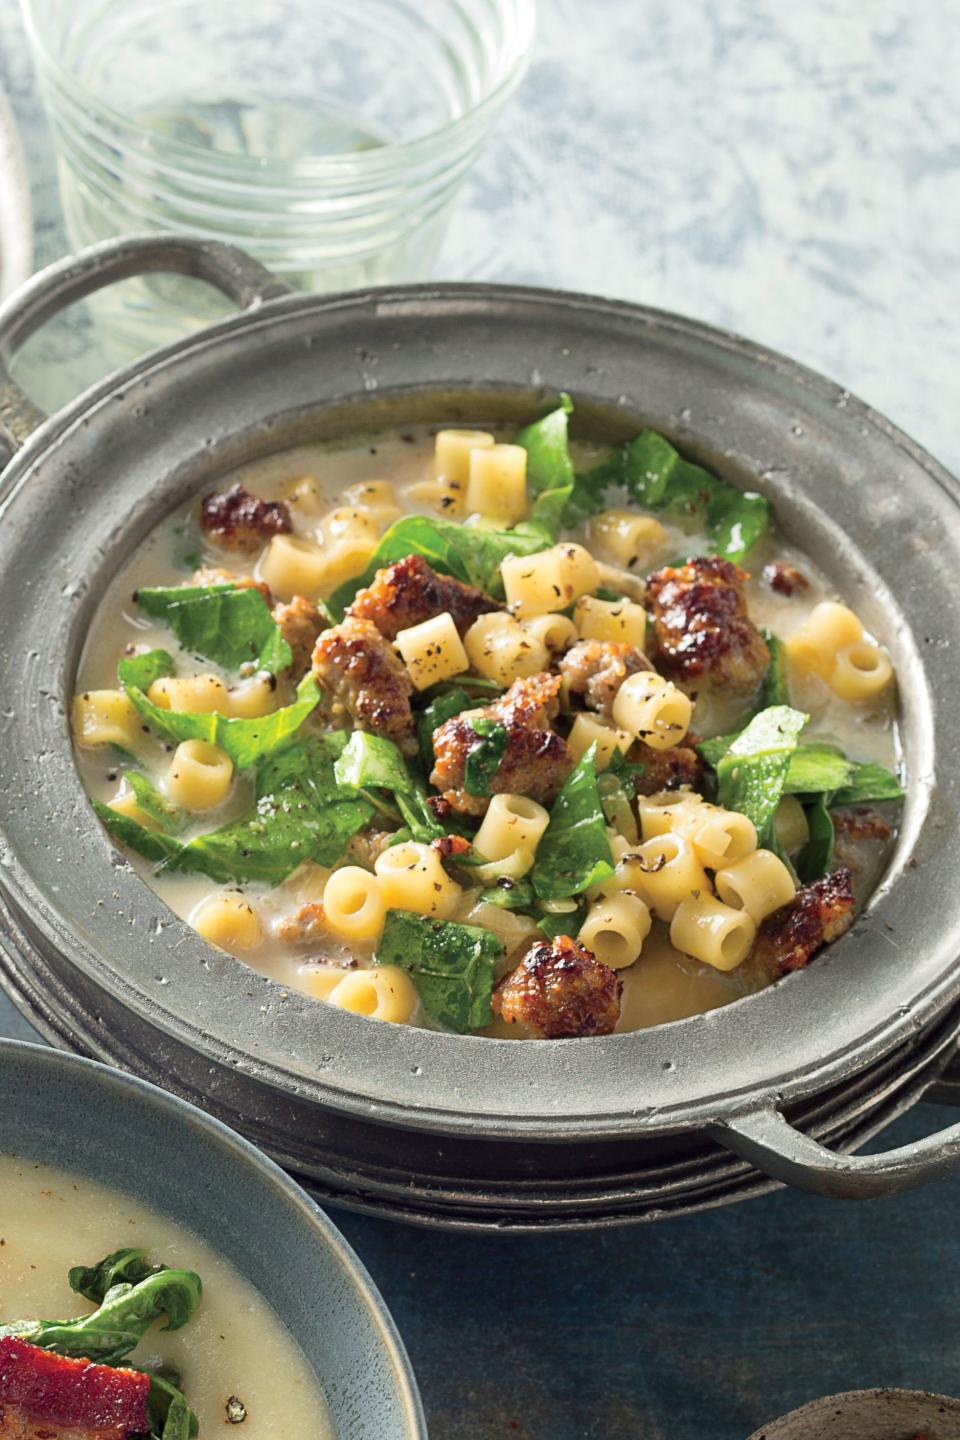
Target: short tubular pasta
point(790, 825)
point(412, 878)
point(384, 993)
point(629, 539)
point(861, 671)
point(712, 932)
point(553, 632)
point(497, 482)
point(125, 803)
point(668, 872)
point(293, 566)
point(534, 584)
point(615, 929)
point(718, 836)
point(319, 980)
point(667, 810)
point(514, 866)
point(106, 717)
point(432, 651)
point(452, 451)
point(199, 776)
point(376, 499)
point(623, 621)
point(353, 904)
point(653, 709)
point(202, 694)
point(500, 649)
point(588, 730)
point(229, 921)
point(347, 522)
point(827, 629)
point(512, 822)
point(759, 883)
point(254, 697)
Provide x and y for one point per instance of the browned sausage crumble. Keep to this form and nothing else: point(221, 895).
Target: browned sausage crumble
point(300, 625)
point(702, 633)
point(238, 520)
point(595, 670)
point(785, 579)
point(560, 991)
point(411, 591)
point(818, 914)
point(363, 677)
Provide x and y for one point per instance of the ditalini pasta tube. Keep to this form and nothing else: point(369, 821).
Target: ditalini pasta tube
point(653, 709)
point(712, 932)
point(615, 929)
point(759, 884)
point(412, 878)
point(354, 905)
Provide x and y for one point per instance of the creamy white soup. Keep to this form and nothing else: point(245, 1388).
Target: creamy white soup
point(457, 770)
point(239, 1368)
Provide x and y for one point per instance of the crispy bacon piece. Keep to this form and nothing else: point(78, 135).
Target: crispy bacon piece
point(702, 632)
point(411, 591)
point(596, 669)
point(536, 761)
point(238, 520)
point(216, 575)
point(785, 579)
point(365, 678)
point(666, 769)
point(819, 913)
point(559, 991)
point(450, 846)
point(300, 624)
point(44, 1396)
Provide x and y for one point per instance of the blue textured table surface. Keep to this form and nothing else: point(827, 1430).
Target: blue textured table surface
point(794, 173)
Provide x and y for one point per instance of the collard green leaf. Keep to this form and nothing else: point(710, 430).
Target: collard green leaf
point(869, 782)
point(483, 758)
point(170, 1416)
point(443, 708)
point(127, 1311)
point(451, 965)
point(752, 773)
point(574, 852)
point(151, 844)
point(465, 552)
point(374, 762)
point(509, 894)
point(301, 813)
point(549, 470)
point(816, 857)
point(567, 922)
point(245, 741)
point(228, 624)
point(141, 670)
point(120, 1267)
point(170, 818)
point(775, 689)
point(657, 477)
point(817, 768)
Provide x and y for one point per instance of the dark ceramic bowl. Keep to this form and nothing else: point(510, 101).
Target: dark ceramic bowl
point(135, 1138)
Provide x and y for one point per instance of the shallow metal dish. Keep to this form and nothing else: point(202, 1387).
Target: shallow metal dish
point(131, 1136)
point(437, 1126)
point(870, 1415)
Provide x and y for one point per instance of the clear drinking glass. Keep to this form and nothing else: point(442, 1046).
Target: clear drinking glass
point(327, 137)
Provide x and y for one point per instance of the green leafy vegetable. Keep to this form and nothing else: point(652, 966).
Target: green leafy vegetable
point(612, 789)
point(451, 965)
point(121, 1267)
point(465, 552)
point(817, 768)
point(170, 818)
point(752, 773)
point(483, 759)
point(453, 702)
point(141, 670)
point(170, 1416)
point(228, 624)
point(549, 470)
point(816, 857)
point(574, 852)
point(868, 782)
point(123, 1318)
point(509, 894)
point(566, 922)
point(373, 762)
point(775, 689)
point(151, 844)
point(245, 741)
point(657, 477)
point(301, 813)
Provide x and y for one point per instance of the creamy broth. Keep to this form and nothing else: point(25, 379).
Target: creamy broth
point(233, 1346)
point(663, 984)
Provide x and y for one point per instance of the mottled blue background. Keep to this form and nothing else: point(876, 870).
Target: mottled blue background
point(793, 172)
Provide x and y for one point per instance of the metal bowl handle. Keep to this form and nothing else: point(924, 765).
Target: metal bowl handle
point(229, 270)
point(768, 1140)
